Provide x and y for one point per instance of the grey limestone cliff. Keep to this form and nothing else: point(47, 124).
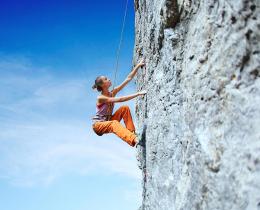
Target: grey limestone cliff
point(202, 143)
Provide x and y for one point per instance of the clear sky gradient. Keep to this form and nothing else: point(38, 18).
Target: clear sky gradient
point(50, 54)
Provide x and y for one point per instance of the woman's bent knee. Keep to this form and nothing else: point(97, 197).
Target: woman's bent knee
point(125, 107)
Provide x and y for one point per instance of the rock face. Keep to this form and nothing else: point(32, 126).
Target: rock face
point(202, 143)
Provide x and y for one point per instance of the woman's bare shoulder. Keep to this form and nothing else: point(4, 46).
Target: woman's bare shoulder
point(101, 98)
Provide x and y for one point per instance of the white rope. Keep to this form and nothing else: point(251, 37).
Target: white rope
point(110, 108)
point(120, 43)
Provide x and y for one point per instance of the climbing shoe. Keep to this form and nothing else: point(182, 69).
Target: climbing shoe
point(141, 135)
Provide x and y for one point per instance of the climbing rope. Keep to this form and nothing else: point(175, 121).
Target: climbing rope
point(110, 109)
point(120, 43)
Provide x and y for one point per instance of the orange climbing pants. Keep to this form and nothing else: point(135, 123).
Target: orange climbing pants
point(114, 126)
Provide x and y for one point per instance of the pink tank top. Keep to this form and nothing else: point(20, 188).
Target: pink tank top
point(103, 112)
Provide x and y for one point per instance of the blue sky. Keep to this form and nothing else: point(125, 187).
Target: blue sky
point(50, 54)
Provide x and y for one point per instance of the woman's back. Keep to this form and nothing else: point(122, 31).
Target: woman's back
point(103, 111)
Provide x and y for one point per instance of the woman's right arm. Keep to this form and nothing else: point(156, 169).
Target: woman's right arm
point(105, 99)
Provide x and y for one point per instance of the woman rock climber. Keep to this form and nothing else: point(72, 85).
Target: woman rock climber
point(106, 122)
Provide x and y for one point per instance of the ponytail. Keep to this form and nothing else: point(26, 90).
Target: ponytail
point(94, 86)
point(97, 84)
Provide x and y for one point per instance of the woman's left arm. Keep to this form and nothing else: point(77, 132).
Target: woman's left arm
point(128, 78)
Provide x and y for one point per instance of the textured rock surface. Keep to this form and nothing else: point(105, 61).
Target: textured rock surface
point(202, 143)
